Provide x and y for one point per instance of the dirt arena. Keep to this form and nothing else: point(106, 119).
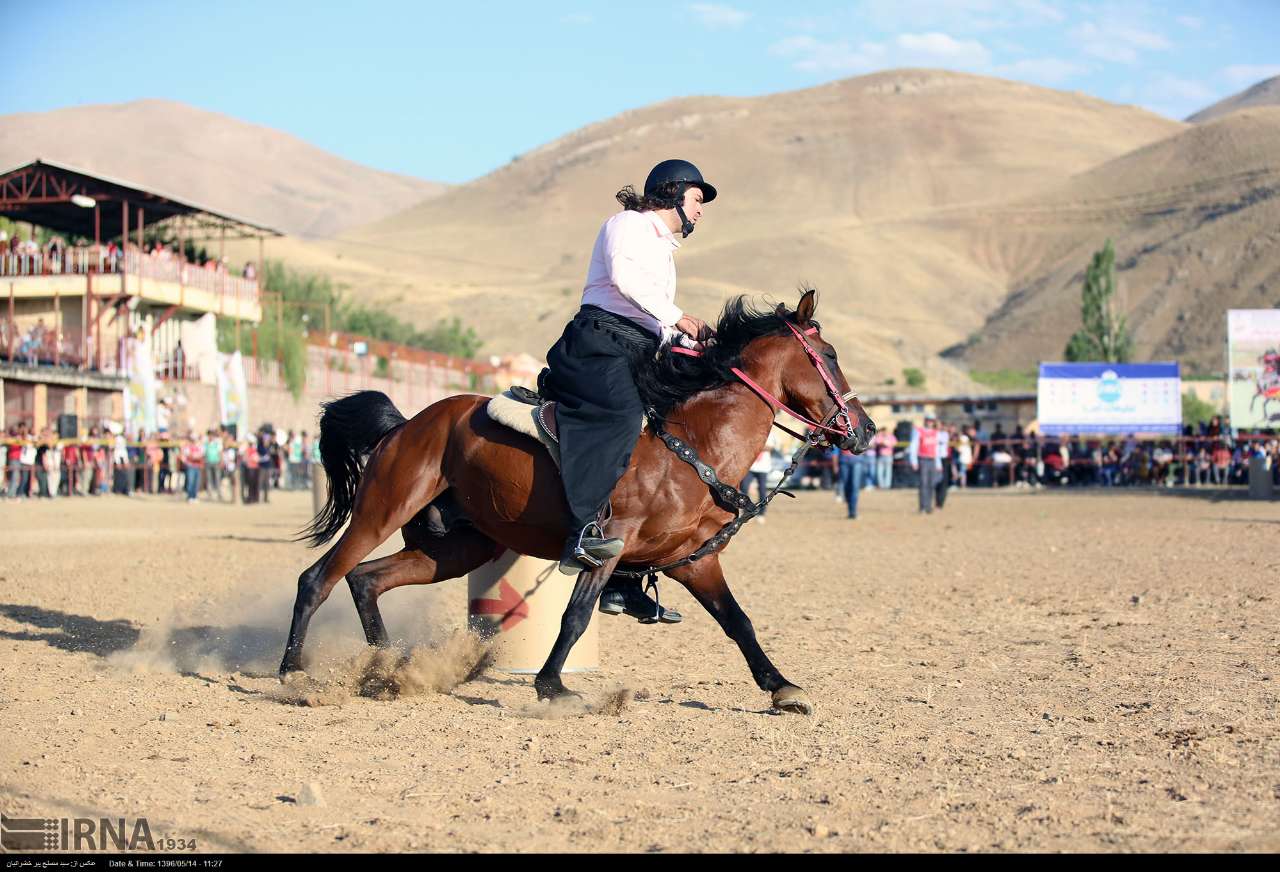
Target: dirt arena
point(1021, 672)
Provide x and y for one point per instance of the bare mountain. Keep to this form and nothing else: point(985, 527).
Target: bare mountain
point(1195, 219)
point(835, 185)
point(250, 171)
point(1265, 93)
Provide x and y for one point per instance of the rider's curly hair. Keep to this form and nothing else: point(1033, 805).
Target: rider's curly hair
point(667, 196)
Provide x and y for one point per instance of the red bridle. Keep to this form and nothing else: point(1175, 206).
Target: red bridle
point(841, 409)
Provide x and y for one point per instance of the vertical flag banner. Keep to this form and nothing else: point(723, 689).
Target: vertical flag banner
point(233, 394)
point(140, 394)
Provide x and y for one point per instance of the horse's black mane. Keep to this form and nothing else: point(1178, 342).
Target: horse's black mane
point(673, 378)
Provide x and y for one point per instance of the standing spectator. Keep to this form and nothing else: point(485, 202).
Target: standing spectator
point(922, 453)
point(121, 476)
point(266, 463)
point(759, 472)
point(154, 457)
point(944, 465)
point(88, 462)
point(281, 458)
point(229, 462)
point(1221, 458)
point(165, 483)
point(855, 474)
point(295, 460)
point(137, 463)
point(883, 444)
point(45, 453)
point(193, 460)
point(13, 461)
point(70, 468)
point(213, 464)
point(28, 461)
point(249, 471)
point(964, 457)
point(1200, 466)
point(306, 459)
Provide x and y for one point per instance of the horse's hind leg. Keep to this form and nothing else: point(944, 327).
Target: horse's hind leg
point(368, 530)
point(435, 559)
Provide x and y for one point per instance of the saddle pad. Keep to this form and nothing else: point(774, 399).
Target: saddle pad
point(519, 416)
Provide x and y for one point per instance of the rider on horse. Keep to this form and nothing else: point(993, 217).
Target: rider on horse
point(628, 312)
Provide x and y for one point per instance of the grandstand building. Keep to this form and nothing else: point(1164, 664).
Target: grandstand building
point(108, 272)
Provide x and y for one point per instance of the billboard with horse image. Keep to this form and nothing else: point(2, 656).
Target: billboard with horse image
point(1253, 368)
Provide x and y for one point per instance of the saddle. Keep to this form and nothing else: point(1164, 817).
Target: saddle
point(526, 412)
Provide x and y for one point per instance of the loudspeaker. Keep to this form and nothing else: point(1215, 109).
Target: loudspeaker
point(68, 426)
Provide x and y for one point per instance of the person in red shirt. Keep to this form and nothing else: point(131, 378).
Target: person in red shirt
point(193, 459)
point(71, 469)
point(13, 460)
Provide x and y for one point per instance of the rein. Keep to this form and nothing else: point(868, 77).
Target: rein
point(731, 498)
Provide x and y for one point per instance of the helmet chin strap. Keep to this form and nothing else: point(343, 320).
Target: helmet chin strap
point(686, 226)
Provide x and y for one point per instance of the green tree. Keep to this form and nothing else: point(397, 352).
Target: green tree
point(1103, 336)
point(1195, 410)
point(913, 377)
point(306, 294)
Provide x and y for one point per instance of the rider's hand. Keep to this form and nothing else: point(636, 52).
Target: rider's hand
point(695, 327)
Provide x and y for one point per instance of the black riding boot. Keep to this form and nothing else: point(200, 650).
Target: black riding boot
point(623, 595)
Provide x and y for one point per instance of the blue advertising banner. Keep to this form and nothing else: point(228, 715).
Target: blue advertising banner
point(1109, 398)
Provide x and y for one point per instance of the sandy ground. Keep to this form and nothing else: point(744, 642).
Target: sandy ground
point(1021, 672)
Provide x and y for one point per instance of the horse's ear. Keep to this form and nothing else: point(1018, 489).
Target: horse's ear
point(808, 302)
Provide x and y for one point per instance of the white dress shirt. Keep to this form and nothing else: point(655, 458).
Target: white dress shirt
point(633, 272)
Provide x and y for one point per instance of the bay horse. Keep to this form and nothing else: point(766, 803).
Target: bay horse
point(452, 455)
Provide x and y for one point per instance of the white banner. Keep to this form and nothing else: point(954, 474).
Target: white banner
point(233, 395)
point(1109, 398)
point(140, 393)
point(1253, 368)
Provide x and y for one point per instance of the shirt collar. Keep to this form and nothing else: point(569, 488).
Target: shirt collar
point(663, 230)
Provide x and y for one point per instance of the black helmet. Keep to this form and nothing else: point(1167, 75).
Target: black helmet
point(678, 171)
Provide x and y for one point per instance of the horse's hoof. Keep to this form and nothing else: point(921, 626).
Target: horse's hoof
point(552, 691)
point(792, 699)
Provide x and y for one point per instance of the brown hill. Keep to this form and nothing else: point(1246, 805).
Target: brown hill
point(1195, 219)
point(834, 185)
point(253, 172)
point(1265, 93)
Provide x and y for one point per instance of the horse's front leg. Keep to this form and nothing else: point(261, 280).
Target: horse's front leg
point(577, 615)
point(705, 580)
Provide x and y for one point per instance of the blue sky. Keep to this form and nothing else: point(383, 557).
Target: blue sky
point(450, 91)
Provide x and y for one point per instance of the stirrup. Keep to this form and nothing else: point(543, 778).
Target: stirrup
point(580, 553)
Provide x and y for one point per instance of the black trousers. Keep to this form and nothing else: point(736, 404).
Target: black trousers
point(591, 373)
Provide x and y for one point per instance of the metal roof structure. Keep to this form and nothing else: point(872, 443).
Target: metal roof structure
point(80, 203)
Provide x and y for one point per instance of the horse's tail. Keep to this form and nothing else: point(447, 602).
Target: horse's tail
point(350, 428)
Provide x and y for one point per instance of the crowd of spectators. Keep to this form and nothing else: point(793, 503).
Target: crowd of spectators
point(211, 465)
point(20, 256)
point(1204, 455)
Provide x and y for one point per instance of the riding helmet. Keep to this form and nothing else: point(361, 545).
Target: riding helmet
point(678, 171)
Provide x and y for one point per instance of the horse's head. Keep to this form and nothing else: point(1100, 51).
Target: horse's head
point(813, 383)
